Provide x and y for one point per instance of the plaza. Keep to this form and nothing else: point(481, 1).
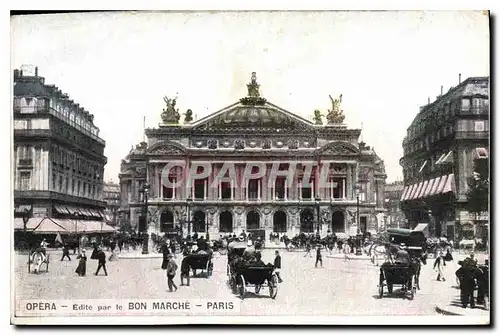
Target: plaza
point(339, 288)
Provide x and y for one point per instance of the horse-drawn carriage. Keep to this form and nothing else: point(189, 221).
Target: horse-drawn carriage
point(243, 275)
point(201, 261)
point(400, 272)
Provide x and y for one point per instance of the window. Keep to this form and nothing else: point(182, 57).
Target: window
point(24, 180)
point(60, 183)
point(54, 181)
point(253, 188)
point(84, 189)
point(72, 186)
point(78, 188)
point(465, 104)
point(66, 185)
point(479, 126)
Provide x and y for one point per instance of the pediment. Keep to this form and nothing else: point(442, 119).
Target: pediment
point(253, 116)
point(166, 148)
point(338, 148)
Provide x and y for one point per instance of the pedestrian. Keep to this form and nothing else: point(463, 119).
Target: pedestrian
point(346, 250)
point(439, 265)
point(65, 252)
point(277, 265)
point(171, 269)
point(101, 259)
point(467, 283)
point(185, 268)
point(81, 269)
point(318, 257)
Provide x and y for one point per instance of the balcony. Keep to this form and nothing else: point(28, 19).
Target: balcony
point(26, 163)
point(472, 135)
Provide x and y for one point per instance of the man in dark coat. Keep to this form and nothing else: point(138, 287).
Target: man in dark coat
point(65, 252)
point(277, 266)
point(467, 283)
point(185, 269)
point(101, 258)
point(318, 257)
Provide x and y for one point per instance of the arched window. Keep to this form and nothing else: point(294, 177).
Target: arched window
point(166, 221)
point(253, 220)
point(306, 221)
point(279, 222)
point(199, 222)
point(226, 222)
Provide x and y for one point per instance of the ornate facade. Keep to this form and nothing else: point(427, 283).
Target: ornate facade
point(254, 130)
point(441, 145)
point(58, 159)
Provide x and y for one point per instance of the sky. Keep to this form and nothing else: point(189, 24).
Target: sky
point(119, 66)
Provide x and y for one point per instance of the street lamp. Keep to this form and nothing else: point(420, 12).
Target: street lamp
point(358, 242)
point(76, 214)
point(145, 241)
point(317, 200)
point(188, 215)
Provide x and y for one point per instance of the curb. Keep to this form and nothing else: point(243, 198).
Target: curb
point(445, 312)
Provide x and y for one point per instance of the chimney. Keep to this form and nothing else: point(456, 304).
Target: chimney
point(459, 78)
point(36, 71)
point(16, 74)
point(441, 89)
point(428, 100)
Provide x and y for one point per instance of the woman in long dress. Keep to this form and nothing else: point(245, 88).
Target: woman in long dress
point(82, 264)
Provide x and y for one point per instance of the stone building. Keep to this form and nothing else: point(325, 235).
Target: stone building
point(111, 194)
point(441, 145)
point(253, 130)
point(58, 156)
point(394, 218)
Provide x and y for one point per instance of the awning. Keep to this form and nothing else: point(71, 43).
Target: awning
point(405, 190)
point(30, 225)
point(61, 209)
point(435, 186)
point(48, 226)
point(422, 190)
point(419, 187)
point(94, 213)
point(413, 190)
point(429, 187)
point(440, 187)
point(450, 184)
point(422, 167)
point(448, 158)
point(440, 159)
point(480, 153)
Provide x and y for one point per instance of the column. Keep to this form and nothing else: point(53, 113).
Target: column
point(232, 189)
point(331, 188)
point(286, 189)
point(205, 189)
point(273, 190)
point(313, 189)
point(219, 195)
point(300, 191)
point(259, 181)
point(343, 188)
point(349, 185)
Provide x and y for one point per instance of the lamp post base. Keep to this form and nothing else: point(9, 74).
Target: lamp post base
point(145, 244)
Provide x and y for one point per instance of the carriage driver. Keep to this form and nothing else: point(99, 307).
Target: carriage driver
point(43, 248)
point(402, 256)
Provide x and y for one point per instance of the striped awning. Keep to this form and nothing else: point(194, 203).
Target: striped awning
point(435, 186)
point(440, 185)
point(403, 196)
point(422, 190)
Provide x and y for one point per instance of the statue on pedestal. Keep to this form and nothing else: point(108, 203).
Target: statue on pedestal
point(188, 116)
point(170, 114)
point(335, 115)
point(317, 117)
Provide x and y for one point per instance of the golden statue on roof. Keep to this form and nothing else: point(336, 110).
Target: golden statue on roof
point(253, 87)
point(335, 115)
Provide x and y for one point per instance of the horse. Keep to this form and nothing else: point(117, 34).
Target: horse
point(377, 251)
point(37, 258)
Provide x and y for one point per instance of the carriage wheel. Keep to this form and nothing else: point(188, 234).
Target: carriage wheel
point(241, 286)
point(381, 291)
point(273, 286)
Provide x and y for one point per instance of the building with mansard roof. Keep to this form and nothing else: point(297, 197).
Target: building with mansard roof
point(254, 130)
point(441, 145)
point(58, 161)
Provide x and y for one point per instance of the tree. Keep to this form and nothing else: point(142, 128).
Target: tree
point(479, 190)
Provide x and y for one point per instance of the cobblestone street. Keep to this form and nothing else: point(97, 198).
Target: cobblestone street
point(338, 288)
